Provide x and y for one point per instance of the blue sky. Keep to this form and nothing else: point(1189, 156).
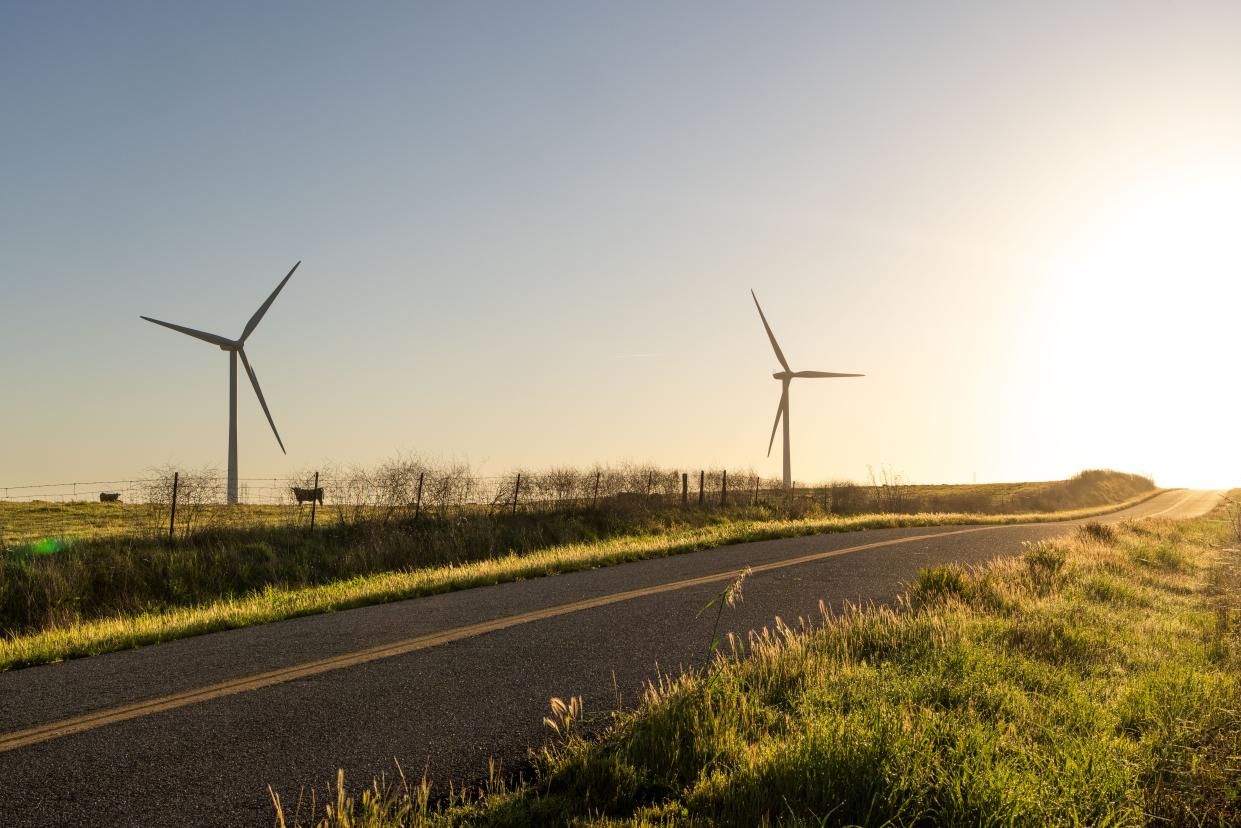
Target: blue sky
point(529, 231)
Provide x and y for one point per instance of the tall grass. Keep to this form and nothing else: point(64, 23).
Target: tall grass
point(402, 515)
point(1094, 681)
point(70, 638)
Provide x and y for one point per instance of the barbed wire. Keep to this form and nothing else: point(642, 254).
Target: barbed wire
point(557, 485)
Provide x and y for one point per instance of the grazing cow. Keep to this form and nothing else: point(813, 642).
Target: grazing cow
point(308, 495)
point(109, 497)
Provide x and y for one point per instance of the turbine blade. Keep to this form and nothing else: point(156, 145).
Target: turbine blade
point(214, 339)
point(259, 393)
point(258, 314)
point(784, 401)
point(775, 345)
point(815, 374)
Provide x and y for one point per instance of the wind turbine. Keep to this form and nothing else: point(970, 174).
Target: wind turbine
point(786, 376)
point(235, 348)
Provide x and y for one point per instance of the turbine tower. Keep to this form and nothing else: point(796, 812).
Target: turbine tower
point(786, 376)
point(235, 348)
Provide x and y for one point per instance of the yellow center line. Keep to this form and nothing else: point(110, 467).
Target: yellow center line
point(99, 718)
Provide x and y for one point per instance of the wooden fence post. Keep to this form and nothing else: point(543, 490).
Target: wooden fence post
point(172, 517)
point(314, 501)
point(702, 482)
point(418, 502)
point(724, 489)
point(516, 492)
point(684, 488)
point(595, 500)
point(757, 480)
point(648, 483)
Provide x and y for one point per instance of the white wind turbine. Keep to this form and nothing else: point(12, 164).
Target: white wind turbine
point(786, 376)
point(234, 347)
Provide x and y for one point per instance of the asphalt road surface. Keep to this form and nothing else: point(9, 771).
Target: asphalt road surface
point(192, 732)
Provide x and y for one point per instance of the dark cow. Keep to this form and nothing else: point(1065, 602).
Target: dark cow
point(308, 495)
point(109, 497)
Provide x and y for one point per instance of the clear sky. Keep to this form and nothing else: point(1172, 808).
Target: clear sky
point(529, 232)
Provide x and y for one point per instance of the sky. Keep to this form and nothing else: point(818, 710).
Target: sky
point(528, 233)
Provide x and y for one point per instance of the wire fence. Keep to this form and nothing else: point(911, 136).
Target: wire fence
point(178, 503)
point(181, 502)
point(439, 491)
point(253, 490)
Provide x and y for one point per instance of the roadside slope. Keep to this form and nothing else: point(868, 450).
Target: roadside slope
point(445, 707)
point(274, 603)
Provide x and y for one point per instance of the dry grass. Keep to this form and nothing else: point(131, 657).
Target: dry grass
point(1094, 681)
point(59, 641)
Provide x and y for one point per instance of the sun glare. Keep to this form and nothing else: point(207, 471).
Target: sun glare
point(1143, 339)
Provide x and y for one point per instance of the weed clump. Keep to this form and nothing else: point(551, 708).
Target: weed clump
point(1159, 553)
point(1107, 589)
point(1044, 562)
point(939, 584)
point(1097, 532)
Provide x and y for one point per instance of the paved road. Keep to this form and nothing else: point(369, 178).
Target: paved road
point(191, 732)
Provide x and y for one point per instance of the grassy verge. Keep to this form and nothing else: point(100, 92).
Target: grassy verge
point(1095, 681)
point(274, 603)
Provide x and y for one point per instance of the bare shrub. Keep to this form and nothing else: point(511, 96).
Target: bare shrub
point(449, 489)
point(890, 492)
point(350, 492)
point(846, 497)
point(394, 487)
point(201, 495)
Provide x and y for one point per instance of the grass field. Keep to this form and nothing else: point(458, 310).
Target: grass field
point(119, 591)
point(28, 522)
point(384, 494)
point(54, 604)
point(1094, 681)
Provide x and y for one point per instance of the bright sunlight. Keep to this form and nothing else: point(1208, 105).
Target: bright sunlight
point(1144, 310)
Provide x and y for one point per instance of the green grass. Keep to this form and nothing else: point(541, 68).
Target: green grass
point(63, 584)
point(28, 522)
point(1094, 681)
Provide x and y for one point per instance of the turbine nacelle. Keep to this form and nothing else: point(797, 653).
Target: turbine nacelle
point(788, 375)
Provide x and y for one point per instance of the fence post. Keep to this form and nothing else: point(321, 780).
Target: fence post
point(702, 482)
point(648, 483)
point(172, 517)
point(757, 480)
point(594, 501)
point(418, 501)
point(516, 492)
point(684, 488)
point(724, 489)
point(825, 509)
point(314, 501)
